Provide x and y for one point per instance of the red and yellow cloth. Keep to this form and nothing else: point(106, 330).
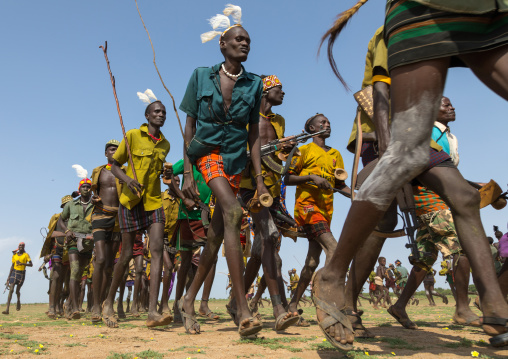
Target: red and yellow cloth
point(312, 204)
point(212, 166)
point(270, 81)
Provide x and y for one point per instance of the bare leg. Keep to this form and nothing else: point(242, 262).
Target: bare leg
point(138, 283)
point(399, 308)
point(119, 307)
point(415, 95)
point(185, 265)
point(225, 224)
point(207, 287)
point(311, 263)
point(118, 274)
point(268, 233)
point(9, 297)
point(129, 293)
point(464, 205)
point(82, 294)
point(56, 282)
point(463, 314)
point(168, 270)
point(503, 279)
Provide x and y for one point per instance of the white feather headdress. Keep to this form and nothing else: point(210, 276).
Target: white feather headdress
point(147, 97)
point(80, 171)
point(222, 22)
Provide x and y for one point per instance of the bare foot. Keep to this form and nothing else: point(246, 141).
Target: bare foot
point(331, 291)
point(6, 312)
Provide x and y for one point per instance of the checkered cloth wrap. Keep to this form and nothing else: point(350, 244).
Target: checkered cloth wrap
point(17, 277)
point(426, 201)
point(212, 166)
point(314, 230)
point(138, 219)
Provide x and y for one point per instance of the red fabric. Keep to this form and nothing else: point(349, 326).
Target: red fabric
point(212, 166)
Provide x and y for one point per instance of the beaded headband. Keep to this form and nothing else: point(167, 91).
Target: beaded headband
point(270, 81)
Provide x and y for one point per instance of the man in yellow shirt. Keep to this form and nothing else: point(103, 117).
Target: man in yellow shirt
point(313, 174)
point(141, 206)
point(20, 260)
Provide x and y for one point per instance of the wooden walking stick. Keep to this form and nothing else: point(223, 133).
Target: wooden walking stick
point(160, 77)
point(105, 49)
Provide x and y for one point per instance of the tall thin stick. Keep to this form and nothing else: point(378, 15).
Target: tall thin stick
point(158, 73)
point(105, 49)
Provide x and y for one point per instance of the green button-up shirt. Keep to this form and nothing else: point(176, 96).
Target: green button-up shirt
point(203, 101)
point(79, 220)
point(204, 192)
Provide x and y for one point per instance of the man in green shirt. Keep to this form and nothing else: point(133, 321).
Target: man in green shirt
point(79, 240)
point(220, 102)
point(401, 275)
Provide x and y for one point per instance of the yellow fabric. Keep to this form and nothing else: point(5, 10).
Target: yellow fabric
point(271, 179)
point(310, 199)
point(48, 242)
point(148, 265)
point(95, 179)
point(90, 269)
point(372, 275)
point(170, 205)
point(293, 281)
point(148, 158)
point(23, 259)
point(382, 78)
point(377, 56)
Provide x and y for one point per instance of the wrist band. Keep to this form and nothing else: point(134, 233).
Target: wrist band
point(67, 231)
point(259, 174)
point(186, 172)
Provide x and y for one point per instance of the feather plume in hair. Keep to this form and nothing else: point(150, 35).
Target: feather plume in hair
point(150, 95)
point(219, 21)
point(147, 97)
point(333, 33)
point(80, 171)
point(235, 12)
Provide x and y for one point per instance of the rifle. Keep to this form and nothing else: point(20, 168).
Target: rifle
point(275, 145)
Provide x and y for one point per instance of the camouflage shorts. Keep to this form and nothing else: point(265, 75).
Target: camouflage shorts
point(437, 234)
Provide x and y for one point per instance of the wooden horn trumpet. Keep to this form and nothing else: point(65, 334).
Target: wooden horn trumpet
point(266, 200)
point(167, 166)
point(340, 174)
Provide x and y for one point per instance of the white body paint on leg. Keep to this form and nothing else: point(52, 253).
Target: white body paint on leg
point(406, 157)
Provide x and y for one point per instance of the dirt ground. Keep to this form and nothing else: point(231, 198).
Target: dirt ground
point(29, 332)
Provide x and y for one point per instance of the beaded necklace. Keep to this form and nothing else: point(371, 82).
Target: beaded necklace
point(155, 138)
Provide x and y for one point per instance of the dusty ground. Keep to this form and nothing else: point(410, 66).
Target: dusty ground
point(29, 332)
